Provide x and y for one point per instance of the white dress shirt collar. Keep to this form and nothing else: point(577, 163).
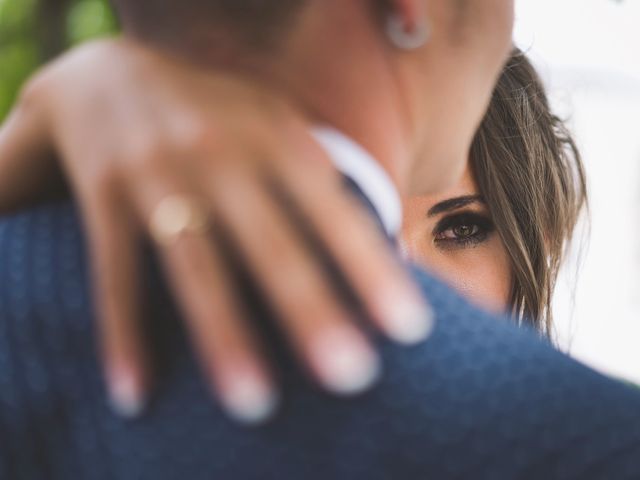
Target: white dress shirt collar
point(353, 161)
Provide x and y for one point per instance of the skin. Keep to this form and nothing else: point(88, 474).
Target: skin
point(157, 136)
point(460, 244)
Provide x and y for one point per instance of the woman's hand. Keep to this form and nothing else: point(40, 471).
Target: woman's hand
point(152, 146)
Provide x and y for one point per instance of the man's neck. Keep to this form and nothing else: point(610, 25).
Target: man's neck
point(328, 72)
point(333, 68)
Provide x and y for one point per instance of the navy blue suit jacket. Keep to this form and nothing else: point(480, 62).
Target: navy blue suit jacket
point(481, 399)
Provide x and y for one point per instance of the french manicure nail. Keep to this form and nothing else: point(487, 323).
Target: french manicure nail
point(408, 320)
point(249, 398)
point(126, 394)
point(344, 362)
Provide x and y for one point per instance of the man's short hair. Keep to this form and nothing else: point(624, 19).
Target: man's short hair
point(195, 24)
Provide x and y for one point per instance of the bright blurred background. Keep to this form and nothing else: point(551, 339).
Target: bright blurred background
point(588, 52)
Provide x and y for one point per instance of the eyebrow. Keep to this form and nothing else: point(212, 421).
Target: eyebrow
point(454, 204)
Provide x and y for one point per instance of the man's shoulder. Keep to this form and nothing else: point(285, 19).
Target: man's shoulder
point(485, 386)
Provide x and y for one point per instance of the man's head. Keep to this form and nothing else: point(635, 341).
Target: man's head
point(415, 105)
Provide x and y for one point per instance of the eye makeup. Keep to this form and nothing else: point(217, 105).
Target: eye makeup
point(462, 230)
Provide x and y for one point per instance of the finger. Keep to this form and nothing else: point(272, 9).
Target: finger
point(319, 326)
point(196, 273)
point(361, 251)
point(112, 239)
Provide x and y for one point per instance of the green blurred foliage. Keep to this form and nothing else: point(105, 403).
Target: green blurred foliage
point(34, 31)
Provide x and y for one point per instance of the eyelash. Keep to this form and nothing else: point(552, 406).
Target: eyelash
point(481, 227)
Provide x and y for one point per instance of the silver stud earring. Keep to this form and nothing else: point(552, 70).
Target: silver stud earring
point(403, 39)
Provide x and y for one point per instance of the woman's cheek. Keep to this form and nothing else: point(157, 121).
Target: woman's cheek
point(482, 273)
point(482, 279)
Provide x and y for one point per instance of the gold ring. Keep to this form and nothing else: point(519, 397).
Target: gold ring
point(174, 216)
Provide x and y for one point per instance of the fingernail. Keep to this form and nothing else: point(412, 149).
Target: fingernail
point(249, 398)
point(345, 362)
point(126, 394)
point(409, 319)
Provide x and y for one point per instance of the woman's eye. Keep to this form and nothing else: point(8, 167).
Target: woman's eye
point(465, 231)
point(462, 230)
